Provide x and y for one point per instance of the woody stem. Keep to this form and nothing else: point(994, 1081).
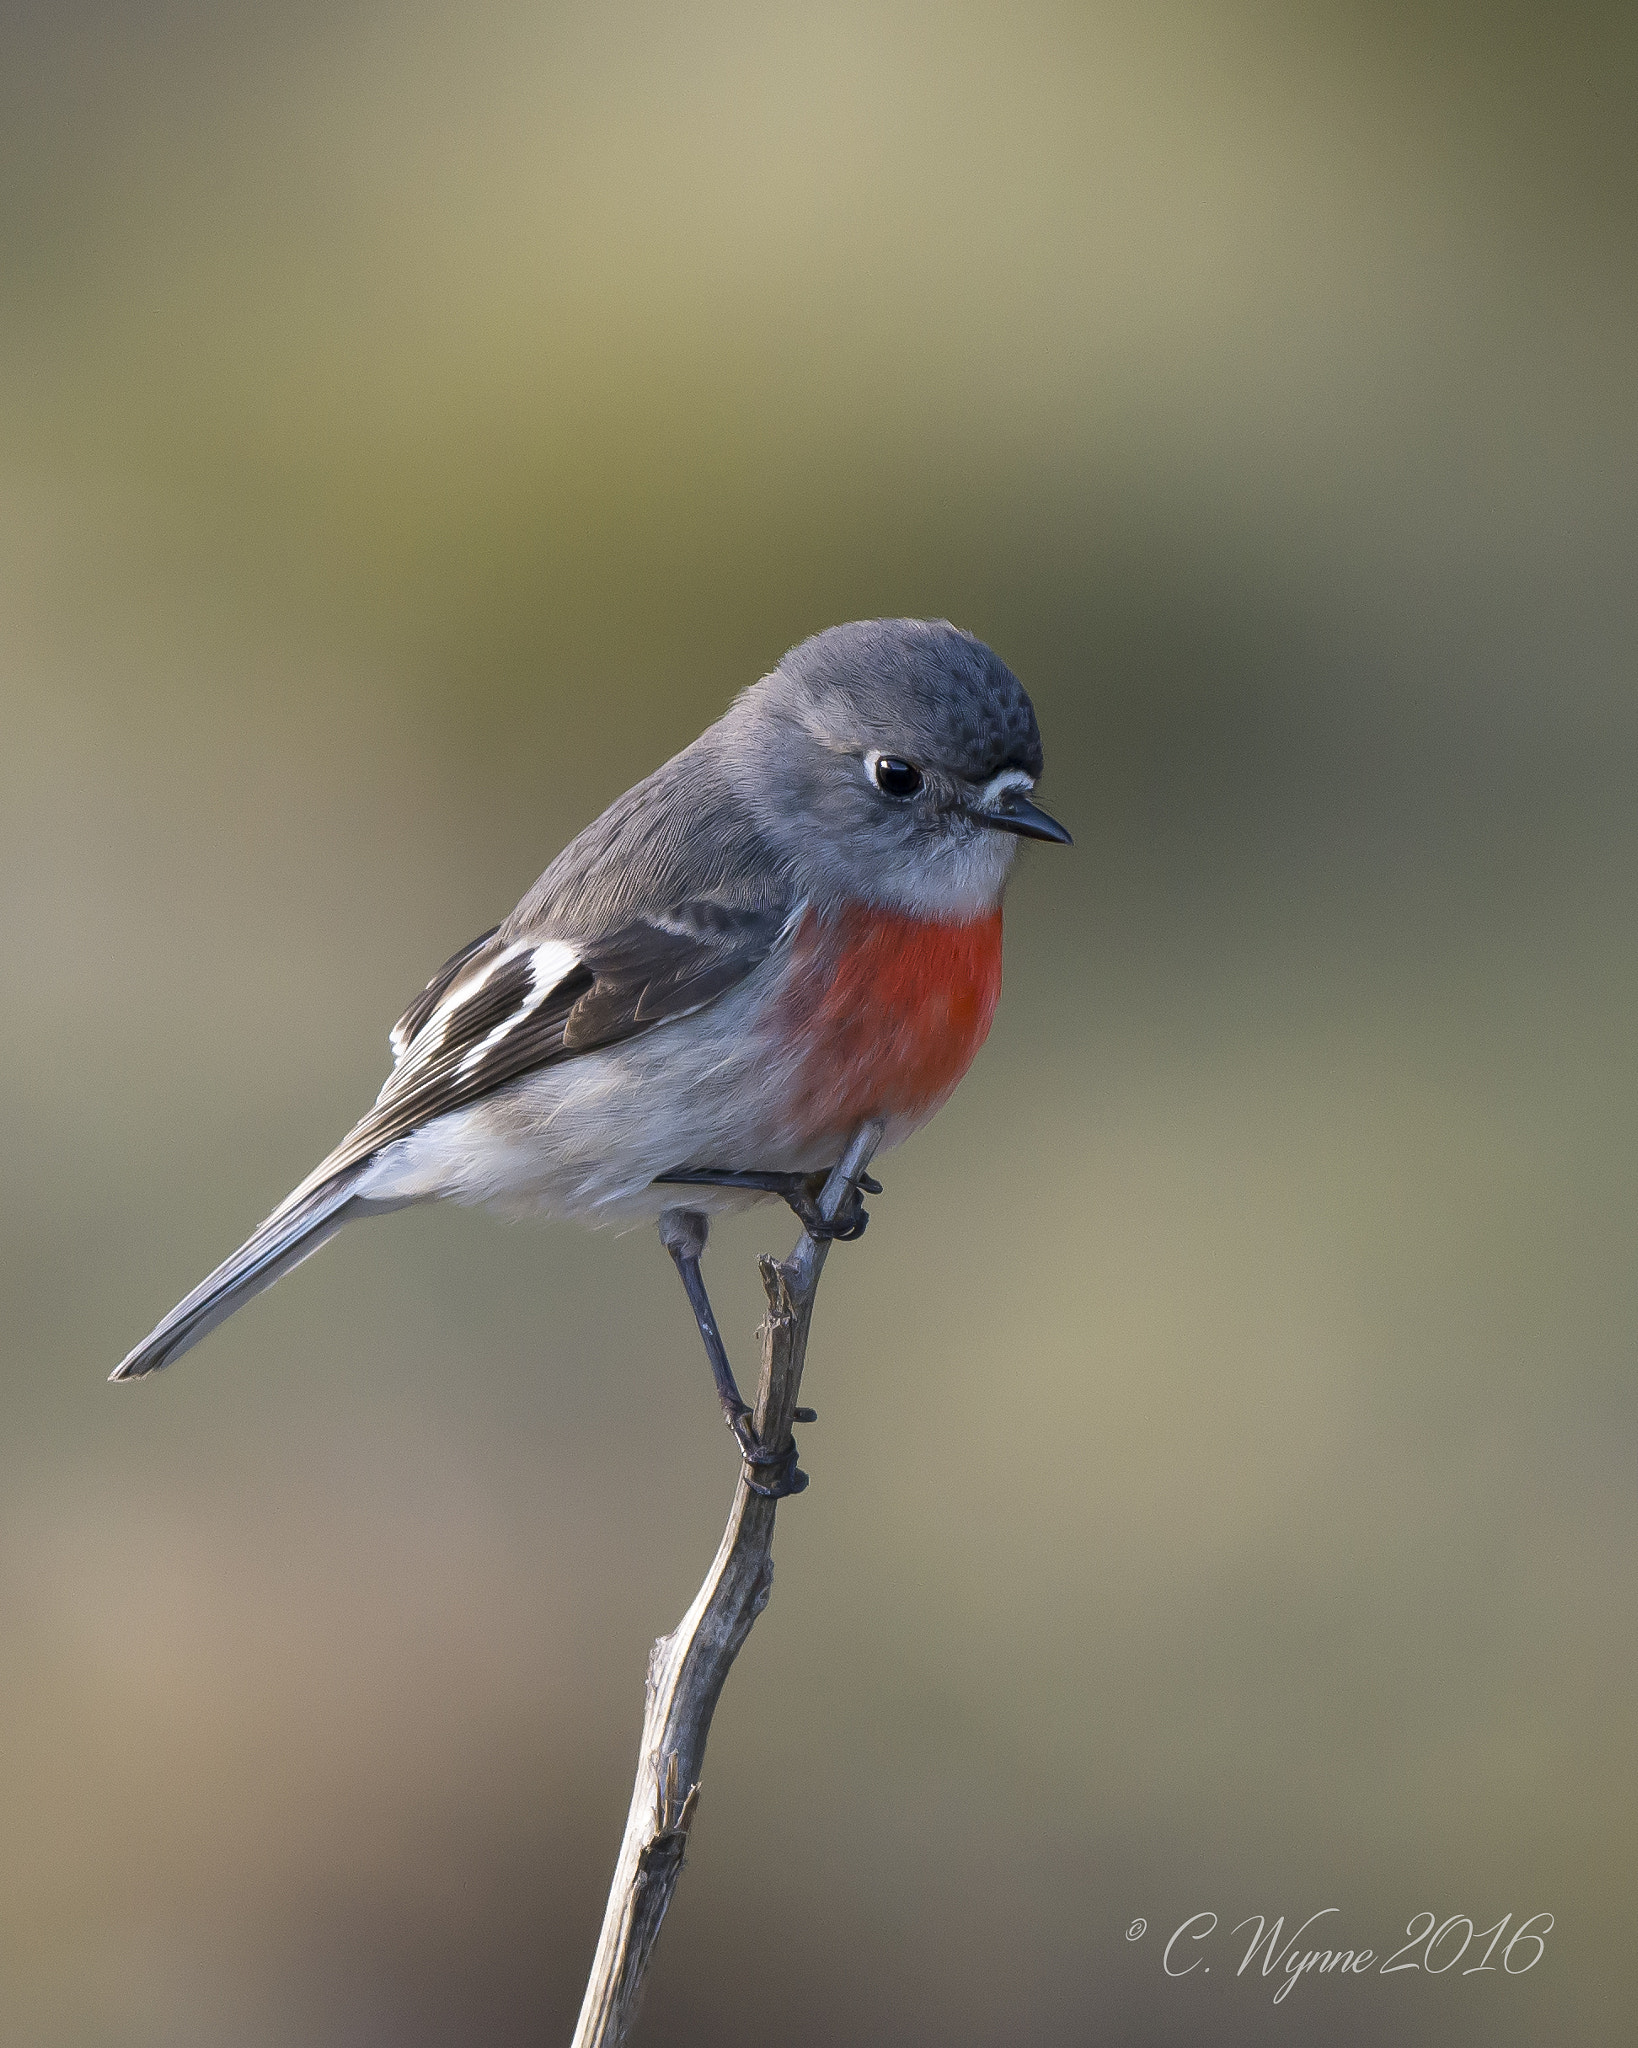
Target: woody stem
point(688, 1668)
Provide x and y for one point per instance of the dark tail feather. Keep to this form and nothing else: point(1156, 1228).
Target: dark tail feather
point(292, 1233)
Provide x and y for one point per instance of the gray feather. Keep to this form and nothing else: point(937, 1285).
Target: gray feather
point(292, 1233)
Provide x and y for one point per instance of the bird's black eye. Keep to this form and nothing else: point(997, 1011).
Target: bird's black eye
point(895, 777)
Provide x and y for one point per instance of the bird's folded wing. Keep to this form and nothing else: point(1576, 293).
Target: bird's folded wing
point(405, 1030)
point(505, 1006)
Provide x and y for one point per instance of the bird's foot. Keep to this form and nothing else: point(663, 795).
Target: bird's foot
point(801, 1191)
point(773, 1474)
point(848, 1225)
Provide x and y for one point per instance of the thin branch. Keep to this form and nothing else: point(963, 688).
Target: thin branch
point(688, 1668)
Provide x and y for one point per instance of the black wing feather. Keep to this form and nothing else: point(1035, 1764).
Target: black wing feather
point(403, 1032)
point(650, 970)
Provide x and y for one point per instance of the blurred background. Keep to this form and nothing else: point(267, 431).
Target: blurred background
point(415, 423)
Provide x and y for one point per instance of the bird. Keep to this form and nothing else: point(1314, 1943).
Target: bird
point(788, 931)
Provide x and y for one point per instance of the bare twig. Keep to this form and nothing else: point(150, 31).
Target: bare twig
point(688, 1668)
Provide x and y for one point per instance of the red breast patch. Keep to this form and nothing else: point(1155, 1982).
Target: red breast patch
point(889, 1011)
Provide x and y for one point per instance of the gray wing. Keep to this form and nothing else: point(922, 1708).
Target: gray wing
point(505, 1006)
point(658, 907)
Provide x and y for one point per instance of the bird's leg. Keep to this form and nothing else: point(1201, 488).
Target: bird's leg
point(770, 1473)
point(800, 1190)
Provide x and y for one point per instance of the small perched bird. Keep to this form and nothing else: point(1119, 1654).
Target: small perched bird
point(790, 930)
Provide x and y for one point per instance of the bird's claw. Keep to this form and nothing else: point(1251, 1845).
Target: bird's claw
point(800, 1190)
point(849, 1223)
point(784, 1476)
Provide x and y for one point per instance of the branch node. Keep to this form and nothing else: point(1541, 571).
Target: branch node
point(776, 1285)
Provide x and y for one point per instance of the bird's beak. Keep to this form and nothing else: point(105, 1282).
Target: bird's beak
point(1014, 812)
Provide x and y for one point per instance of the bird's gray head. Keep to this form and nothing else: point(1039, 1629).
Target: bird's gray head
point(891, 762)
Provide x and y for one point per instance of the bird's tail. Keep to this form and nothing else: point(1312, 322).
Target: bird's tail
point(295, 1230)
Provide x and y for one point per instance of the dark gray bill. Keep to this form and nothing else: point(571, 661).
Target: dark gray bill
point(1017, 814)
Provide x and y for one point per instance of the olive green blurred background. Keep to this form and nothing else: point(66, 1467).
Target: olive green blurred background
point(415, 422)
